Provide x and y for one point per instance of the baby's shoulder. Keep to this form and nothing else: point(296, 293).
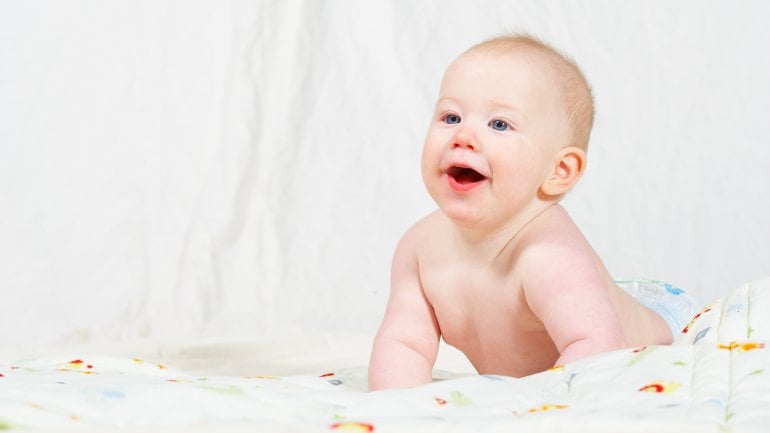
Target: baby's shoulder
point(552, 239)
point(429, 226)
point(428, 231)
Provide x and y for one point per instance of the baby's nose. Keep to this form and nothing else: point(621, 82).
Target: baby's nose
point(464, 139)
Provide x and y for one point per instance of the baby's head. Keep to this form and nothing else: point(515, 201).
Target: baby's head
point(509, 131)
point(562, 73)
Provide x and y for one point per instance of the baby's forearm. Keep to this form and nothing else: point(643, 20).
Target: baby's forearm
point(394, 364)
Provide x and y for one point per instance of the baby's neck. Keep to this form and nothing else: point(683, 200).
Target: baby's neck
point(487, 243)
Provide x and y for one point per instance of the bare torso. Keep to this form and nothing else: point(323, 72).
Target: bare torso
point(482, 307)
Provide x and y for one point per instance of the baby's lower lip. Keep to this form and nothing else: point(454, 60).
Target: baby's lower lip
point(463, 187)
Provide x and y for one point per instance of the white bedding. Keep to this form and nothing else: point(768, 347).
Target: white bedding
point(714, 378)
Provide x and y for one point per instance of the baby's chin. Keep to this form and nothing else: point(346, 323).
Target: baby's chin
point(464, 215)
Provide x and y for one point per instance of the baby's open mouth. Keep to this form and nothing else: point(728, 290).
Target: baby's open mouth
point(464, 175)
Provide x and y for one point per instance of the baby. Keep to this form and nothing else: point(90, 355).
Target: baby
point(500, 271)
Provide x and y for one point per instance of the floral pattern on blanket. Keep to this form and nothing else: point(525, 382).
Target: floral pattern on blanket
point(715, 377)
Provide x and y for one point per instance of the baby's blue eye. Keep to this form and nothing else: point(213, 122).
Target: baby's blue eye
point(452, 119)
point(499, 125)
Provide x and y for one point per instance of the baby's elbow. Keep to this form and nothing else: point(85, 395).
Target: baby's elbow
point(611, 342)
point(590, 346)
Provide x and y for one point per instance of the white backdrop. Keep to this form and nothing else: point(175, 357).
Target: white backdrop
point(219, 169)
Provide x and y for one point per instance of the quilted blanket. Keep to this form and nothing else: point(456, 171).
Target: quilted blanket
point(714, 378)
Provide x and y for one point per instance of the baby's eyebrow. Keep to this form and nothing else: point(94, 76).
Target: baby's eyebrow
point(508, 107)
point(447, 99)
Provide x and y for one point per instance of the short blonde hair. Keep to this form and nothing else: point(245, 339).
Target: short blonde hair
point(576, 91)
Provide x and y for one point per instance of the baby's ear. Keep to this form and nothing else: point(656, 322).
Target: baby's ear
point(567, 168)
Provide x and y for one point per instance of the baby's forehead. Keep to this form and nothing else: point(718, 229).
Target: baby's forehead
point(535, 58)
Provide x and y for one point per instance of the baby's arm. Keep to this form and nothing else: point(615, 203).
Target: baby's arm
point(406, 345)
point(566, 288)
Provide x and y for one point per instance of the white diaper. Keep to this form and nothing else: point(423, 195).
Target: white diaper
point(676, 306)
